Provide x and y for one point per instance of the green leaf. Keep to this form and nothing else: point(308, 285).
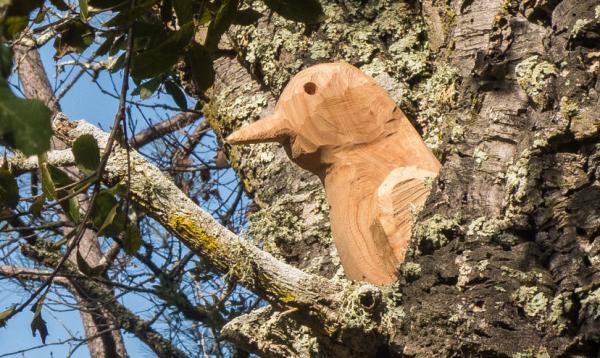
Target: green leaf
point(108, 220)
point(177, 94)
point(184, 10)
point(107, 216)
point(74, 37)
point(38, 324)
point(9, 190)
point(60, 5)
point(200, 62)
point(221, 23)
point(52, 180)
point(307, 11)
point(133, 239)
point(86, 153)
point(147, 89)
point(6, 63)
point(24, 123)
point(16, 16)
point(72, 209)
point(246, 17)
point(5, 314)
point(48, 187)
point(118, 189)
point(119, 44)
point(86, 269)
point(160, 59)
point(118, 64)
point(36, 207)
point(106, 4)
point(59, 177)
point(83, 9)
point(106, 45)
point(40, 15)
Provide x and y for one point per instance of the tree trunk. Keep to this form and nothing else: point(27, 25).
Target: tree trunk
point(504, 259)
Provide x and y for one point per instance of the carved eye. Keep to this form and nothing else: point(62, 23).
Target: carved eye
point(310, 88)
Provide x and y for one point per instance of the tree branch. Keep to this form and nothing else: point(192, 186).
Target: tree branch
point(317, 300)
point(158, 130)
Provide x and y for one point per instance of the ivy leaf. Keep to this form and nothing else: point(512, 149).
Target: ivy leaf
point(306, 11)
point(184, 11)
point(200, 62)
point(177, 94)
point(9, 190)
point(38, 324)
point(133, 239)
point(86, 269)
point(246, 17)
point(221, 23)
point(24, 123)
point(86, 152)
point(5, 314)
point(160, 59)
point(84, 11)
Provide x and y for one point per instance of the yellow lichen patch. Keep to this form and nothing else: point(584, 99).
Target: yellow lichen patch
point(287, 297)
point(195, 235)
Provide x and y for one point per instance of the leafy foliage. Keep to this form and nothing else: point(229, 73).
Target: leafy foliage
point(86, 153)
point(9, 191)
point(38, 324)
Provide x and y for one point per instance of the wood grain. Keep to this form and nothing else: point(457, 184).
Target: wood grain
point(337, 122)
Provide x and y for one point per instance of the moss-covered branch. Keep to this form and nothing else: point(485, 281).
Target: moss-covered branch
point(330, 308)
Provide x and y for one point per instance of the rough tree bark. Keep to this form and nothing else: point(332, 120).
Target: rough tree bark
point(505, 258)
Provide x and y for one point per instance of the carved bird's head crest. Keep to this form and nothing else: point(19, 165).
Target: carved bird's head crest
point(322, 110)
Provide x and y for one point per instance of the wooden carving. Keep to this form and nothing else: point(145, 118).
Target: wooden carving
point(337, 122)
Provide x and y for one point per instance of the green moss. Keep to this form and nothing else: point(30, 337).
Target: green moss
point(486, 228)
point(411, 270)
point(436, 97)
point(591, 304)
point(526, 278)
point(432, 233)
point(535, 76)
point(580, 28)
point(561, 305)
point(533, 302)
point(541, 352)
point(195, 234)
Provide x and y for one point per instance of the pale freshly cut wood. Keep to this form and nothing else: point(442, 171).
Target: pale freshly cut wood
point(337, 122)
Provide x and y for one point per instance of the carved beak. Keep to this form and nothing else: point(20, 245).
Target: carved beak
point(270, 129)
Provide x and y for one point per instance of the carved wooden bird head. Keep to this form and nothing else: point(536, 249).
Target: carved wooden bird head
point(323, 110)
point(337, 122)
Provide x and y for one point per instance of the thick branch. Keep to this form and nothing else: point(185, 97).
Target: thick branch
point(317, 300)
